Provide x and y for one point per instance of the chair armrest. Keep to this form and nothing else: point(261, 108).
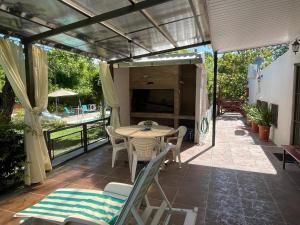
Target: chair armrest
point(118, 188)
point(171, 138)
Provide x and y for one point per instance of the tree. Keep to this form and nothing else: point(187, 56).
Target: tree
point(75, 72)
point(7, 98)
point(233, 69)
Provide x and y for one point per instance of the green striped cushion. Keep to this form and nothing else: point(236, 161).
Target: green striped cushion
point(84, 204)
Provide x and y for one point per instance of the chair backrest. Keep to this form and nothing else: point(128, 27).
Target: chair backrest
point(66, 109)
point(181, 132)
point(84, 107)
point(142, 123)
point(111, 133)
point(141, 186)
point(144, 147)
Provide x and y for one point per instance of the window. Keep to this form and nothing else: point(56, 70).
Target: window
point(260, 103)
point(274, 109)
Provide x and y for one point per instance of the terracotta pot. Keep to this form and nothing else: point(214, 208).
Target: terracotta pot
point(254, 127)
point(264, 132)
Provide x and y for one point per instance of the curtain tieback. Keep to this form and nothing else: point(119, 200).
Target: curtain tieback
point(35, 127)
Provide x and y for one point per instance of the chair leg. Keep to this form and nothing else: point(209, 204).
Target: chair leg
point(129, 160)
point(179, 157)
point(133, 169)
point(114, 153)
point(174, 155)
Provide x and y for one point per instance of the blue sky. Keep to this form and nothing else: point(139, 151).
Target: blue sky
point(205, 48)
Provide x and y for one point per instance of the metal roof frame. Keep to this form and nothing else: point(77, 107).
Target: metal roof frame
point(163, 31)
point(161, 52)
point(92, 18)
point(96, 19)
point(88, 13)
point(41, 22)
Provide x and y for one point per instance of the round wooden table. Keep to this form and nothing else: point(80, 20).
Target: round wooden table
point(137, 131)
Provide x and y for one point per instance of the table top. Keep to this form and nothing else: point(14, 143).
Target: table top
point(139, 131)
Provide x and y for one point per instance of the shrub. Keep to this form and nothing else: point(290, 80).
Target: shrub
point(12, 155)
point(264, 116)
point(52, 124)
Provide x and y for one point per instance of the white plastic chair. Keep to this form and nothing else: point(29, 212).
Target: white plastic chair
point(181, 131)
point(143, 149)
point(142, 123)
point(118, 143)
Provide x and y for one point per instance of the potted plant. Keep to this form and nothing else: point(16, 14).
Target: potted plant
point(253, 116)
point(264, 120)
point(246, 111)
point(148, 124)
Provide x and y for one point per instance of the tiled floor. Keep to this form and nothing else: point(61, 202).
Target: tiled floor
point(239, 181)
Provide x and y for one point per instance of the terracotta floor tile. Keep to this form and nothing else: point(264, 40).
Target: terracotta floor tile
point(194, 197)
point(6, 218)
point(238, 181)
point(170, 192)
point(49, 186)
point(20, 202)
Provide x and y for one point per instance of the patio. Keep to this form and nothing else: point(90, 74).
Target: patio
point(239, 181)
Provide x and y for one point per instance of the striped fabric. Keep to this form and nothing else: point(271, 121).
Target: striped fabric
point(68, 204)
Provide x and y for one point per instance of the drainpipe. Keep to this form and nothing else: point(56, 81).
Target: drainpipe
point(215, 98)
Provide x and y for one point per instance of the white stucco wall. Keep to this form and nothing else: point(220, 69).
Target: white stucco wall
point(277, 87)
point(121, 81)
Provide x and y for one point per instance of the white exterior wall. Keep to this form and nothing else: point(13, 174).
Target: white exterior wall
point(277, 87)
point(121, 81)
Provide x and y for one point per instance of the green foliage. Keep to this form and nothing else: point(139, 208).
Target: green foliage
point(2, 77)
point(52, 124)
point(233, 69)
point(52, 108)
point(263, 116)
point(252, 112)
point(12, 156)
point(73, 71)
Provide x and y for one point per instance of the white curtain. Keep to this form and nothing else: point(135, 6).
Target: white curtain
point(12, 61)
point(110, 94)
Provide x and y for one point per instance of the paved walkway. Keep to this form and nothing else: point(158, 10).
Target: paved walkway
point(238, 182)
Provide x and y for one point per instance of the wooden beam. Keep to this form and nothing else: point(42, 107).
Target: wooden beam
point(29, 73)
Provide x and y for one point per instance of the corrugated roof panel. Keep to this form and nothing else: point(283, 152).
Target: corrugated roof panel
point(51, 11)
point(119, 44)
point(152, 39)
point(19, 25)
point(130, 22)
point(95, 32)
point(99, 7)
point(183, 31)
point(67, 40)
point(170, 11)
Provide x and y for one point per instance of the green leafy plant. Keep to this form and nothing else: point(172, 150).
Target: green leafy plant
point(52, 124)
point(264, 116)
point(53, 108)
point(12, 156)
point(246, 107)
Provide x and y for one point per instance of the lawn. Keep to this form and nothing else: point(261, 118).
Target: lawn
point(71, 138)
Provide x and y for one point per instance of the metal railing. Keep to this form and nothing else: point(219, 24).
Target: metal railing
point(78, 137)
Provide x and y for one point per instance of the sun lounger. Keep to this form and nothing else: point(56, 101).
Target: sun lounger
point(117, 204)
